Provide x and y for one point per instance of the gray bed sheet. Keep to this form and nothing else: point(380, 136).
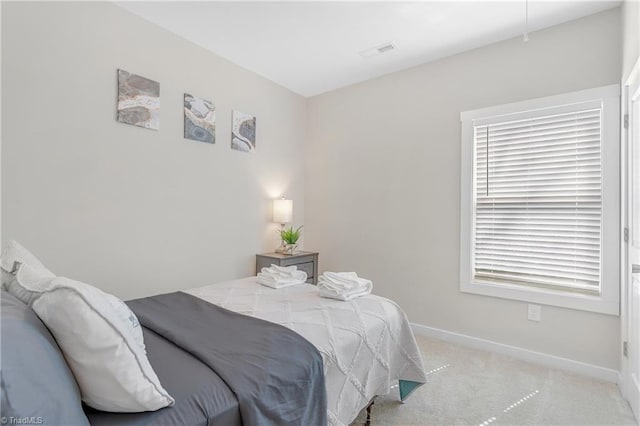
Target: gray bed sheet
point(202, 397)
point(276, 375)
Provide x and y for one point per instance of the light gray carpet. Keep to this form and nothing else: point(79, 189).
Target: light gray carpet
point(471, 387)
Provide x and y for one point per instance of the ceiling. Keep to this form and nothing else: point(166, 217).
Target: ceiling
point(313, 47)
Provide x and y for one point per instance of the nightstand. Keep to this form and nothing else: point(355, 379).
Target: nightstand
point(306, 261)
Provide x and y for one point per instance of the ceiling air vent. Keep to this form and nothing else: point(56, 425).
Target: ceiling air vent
point(383, 48)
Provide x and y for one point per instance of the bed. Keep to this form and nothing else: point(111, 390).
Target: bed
point(367, 345)
point(290, 355)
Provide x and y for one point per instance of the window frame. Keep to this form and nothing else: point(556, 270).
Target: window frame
point(608, 302)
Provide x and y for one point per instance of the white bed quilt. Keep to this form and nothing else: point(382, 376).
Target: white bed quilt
point(367, 344)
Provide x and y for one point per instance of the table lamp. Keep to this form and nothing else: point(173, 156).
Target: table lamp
point(282, 214)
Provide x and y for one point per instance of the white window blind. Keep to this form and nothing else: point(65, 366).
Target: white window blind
point(538, 200)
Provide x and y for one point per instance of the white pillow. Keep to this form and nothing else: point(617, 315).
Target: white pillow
point(13, 253)
point(100, 338)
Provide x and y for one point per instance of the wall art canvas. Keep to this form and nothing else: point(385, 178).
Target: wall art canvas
point(138, 100)
point(243, 133)
point(199, 119)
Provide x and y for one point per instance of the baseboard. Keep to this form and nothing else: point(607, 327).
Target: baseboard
point(546, 360)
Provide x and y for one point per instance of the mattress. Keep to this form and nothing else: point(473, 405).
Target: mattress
point(366, 344)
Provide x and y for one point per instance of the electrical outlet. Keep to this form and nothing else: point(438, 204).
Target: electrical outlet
point(534, 312)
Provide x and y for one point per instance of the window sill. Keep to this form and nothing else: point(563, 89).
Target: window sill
point(598, 304)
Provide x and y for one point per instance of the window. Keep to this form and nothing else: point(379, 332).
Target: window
point(540, 201)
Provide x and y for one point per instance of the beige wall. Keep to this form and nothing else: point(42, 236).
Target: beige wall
point(131, 210)
point(630, 36)
point(383, 181)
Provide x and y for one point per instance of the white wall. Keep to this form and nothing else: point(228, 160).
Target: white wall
point(131, 210)
point(630, 36)
point(383, 181)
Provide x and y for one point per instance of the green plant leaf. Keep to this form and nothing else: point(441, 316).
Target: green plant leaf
point(290, 236)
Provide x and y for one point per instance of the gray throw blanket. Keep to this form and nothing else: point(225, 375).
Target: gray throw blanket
point(276, 374)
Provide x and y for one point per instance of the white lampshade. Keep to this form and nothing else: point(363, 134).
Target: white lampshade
point(282, 211)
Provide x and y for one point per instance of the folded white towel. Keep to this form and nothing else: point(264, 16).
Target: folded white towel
point(281, 276)
point(283, 273)
point(340, 281)
point(282, 269)
point(343, 285)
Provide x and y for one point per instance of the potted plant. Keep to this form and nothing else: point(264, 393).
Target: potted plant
point(290, 239)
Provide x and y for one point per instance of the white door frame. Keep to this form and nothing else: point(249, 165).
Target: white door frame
point(630, 87)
